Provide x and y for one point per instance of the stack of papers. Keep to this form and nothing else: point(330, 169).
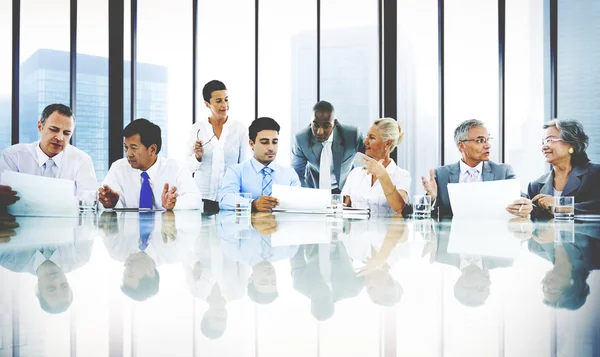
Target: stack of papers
point(301, 199)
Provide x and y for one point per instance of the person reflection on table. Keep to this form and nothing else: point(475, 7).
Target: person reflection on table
point(565, 285)
point(131, 240)
point(472, 288)
point(324, 273)
point(49, 263)
point(214, 278)
point(379, 250)
point(257, 252)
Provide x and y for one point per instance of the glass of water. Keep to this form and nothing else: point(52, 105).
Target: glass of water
point(336, 206)
point(88, 200)
point(243, 203)
point(422, 206)
point(564, 207)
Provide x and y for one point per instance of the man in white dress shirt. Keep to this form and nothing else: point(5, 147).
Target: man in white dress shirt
point(52, 156)
point(143, 179)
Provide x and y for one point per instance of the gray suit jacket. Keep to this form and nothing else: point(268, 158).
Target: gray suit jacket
point(582, 184)
point(451, 174)
point(306, 154)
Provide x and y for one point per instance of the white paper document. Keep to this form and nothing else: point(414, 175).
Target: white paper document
point(483, 199)
point(488, 238)
point(41, 196)
point(301, 199)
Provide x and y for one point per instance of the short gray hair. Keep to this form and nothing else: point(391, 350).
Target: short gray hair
point(462, 130)
point(390, 129)
point(572, 133)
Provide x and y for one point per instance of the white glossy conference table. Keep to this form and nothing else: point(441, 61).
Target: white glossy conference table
point(346, 286)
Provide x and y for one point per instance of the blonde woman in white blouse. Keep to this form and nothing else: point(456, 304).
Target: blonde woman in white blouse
point(380, 185)
point(214, 144)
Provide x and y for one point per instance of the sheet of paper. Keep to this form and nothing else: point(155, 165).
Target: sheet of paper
point(298, 229)
point(301, 199)
point(488, 238)
point(41, 196)
point(483, 199)
point(39, 231)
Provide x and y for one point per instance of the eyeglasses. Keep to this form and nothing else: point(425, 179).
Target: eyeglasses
point(198, 137)
point(479, 141)
point(549, 141)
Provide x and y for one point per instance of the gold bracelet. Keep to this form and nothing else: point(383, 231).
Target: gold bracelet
point(389, 193)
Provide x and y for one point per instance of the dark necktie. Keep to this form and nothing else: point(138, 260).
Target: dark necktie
point(145, 192)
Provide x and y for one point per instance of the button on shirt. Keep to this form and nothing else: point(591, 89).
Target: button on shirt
point(231, 148)
point(363, 195)
point(464, 174)
point(248, 177)
point(71, 164)
point(127, 182)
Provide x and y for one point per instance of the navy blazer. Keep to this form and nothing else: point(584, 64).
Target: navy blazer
point(451, 174)
point(306, 154)
point(583, 183)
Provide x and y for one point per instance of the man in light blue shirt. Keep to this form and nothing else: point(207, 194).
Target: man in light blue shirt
point(257, 175)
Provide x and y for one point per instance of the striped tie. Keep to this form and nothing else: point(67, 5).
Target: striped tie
point(267, 182)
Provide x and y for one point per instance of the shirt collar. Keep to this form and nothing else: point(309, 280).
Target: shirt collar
point(464, 167)
point(257, 166)
point(329, 139)
point(467, 259)
point(42, 157)
point(39, 259)
point(154, 169)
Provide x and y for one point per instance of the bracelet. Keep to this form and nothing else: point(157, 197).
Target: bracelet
point(389, 193)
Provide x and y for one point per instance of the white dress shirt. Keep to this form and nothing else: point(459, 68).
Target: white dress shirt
point(71, 164)
point(231, 148)
point(327, 145)
point(464, 175)
point(363, 195)
point(127, 182)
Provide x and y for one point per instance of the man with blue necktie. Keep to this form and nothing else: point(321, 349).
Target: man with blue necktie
point(257, 175)
point(144, 179)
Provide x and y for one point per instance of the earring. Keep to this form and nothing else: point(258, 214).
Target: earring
point(571, 151)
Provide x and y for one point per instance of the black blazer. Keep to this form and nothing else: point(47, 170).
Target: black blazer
point(583, 184)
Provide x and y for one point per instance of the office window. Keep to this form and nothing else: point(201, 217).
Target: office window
point(350, 60)
point(91, 105)
point(164, 68)
point(226, 53)
point(418, 86)
point(287, 67)
point(44, 77)
point(578, 72)
point(471, 70)
point(524, 88)
point(5, 73)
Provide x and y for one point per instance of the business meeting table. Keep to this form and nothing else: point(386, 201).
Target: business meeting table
point(185, 284)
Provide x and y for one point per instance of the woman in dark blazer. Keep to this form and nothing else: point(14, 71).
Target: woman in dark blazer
point(572, 174)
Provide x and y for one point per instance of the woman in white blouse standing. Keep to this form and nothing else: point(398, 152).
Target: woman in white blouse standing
point(380, 185)
point(215, 143)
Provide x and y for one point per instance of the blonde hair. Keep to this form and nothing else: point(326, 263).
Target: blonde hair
point(390, 129)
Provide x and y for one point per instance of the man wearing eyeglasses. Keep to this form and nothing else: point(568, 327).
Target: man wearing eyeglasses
point(323, 153)
point(473, 142)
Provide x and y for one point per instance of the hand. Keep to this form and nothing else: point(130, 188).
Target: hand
point(169, 197)
point(198, 150)
point(264, 204)
point(520, 208)
point(545, 233)
point(6, 232)
point(168, 229)
point(107, 196)
point(545, 202)
point(265, 223)
point(372, 166)
point(521, 228)
point(430, 186)
point(8, 196)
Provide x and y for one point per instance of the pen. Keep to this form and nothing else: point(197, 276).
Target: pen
point(520, 208)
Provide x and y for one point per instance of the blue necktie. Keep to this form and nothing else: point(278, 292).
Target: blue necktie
point(146, 228)
point(267, 182)
point(145, 192)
